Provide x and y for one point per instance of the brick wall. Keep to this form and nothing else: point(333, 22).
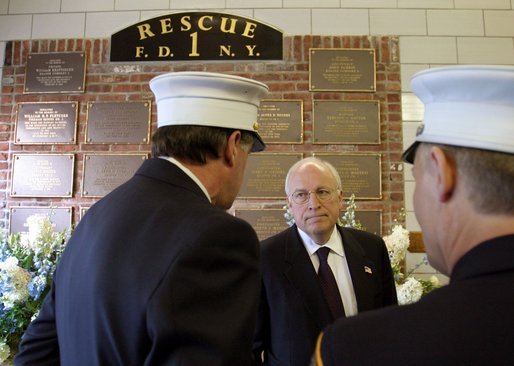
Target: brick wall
point(287, 79)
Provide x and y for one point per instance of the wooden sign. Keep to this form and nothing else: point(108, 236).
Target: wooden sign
point(63, 72)
point(46, 123)
point(196, 36)
point(42, 175)
point(342, 69)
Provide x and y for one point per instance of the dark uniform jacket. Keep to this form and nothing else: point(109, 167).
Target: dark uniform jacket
point(469, 322)
point(293, 310)
point(153, 275)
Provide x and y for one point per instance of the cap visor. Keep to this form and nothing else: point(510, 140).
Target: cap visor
point(258, 144)
point(409, 154)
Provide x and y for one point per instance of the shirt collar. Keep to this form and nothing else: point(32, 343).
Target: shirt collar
point(189, 173)
point(335, 242)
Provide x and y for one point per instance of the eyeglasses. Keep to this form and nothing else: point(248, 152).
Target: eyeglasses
point(322, 194)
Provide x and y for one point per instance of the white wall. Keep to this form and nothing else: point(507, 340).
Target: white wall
point(432, 32)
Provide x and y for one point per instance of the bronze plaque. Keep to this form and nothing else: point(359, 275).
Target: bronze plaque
point(104, 172)
point(360, 174)
point(342, 69)
point(281, 121)
point(266, 222)
point(46, 123)
point(83, 211)
point(63, 72)
point(265, 175)
point(118, 122)
point(370, 220)
point(346, 122)
point(42, 175)
point(59, 216)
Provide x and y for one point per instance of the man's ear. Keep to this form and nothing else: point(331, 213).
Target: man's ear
point(232, 147)
point(444, 169)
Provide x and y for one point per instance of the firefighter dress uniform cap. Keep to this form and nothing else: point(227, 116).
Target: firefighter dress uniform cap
point(469, 106)
point(209, 99)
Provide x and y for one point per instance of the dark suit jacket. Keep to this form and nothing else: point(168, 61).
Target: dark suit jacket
point(469, 322)
point(153, 275)
point(293, 310)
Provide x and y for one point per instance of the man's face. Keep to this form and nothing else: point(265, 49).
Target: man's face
point(231, 188)
point(315, 217)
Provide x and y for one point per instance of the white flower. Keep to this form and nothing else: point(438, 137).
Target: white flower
point(5, 351)
point(397, 243)
point(41, 233)
point(434, 281)
point(288, 215)
point(410, 291)
point(14, 281)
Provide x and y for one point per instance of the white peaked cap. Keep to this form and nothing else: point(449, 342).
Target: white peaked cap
point(209, 99)
point(468, 106)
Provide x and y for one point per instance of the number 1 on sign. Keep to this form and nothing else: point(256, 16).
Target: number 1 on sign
point(194, 45)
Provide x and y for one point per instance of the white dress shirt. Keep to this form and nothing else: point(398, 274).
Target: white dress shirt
point(337, 262)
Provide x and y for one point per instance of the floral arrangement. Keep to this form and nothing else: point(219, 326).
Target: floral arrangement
point(27, 265)
point(348, 219)
point(408, 288)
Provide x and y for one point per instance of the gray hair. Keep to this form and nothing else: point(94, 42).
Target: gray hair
point(312, 160)
point(488, 176)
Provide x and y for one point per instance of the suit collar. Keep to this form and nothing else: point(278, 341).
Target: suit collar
point(362, 270)
point(163, 170)
point(189, 173)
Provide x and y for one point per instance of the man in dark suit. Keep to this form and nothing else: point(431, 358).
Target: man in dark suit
point(293, 306)
point(157, 273)
point(464, 201)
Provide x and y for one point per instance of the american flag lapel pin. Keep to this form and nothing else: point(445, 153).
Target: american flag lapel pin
point(368, 270)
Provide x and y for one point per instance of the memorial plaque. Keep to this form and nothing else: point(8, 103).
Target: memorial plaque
point(46, 123)
point(265, 175)
point(104, 172)
point(371, 220)
point(42, 175)
point(360, 174)
point(281, 121)
point(63, 72)
point(266, 222)
point(342, 69)
point(118, 122)
point(83, 211)
point(59, 216)
point(346, 122)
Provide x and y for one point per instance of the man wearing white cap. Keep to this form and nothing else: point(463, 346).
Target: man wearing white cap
point(464, 201)
point(157, 273)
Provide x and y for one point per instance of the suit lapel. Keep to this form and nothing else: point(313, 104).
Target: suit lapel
point(303, 278)
point(360, 268)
